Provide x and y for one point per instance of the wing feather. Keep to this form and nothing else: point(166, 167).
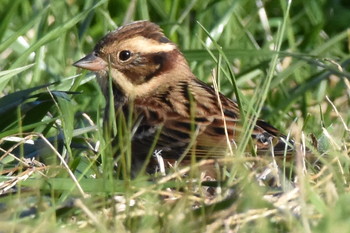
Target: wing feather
point(199, 125)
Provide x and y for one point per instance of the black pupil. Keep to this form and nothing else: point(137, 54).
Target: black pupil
point(124, 55)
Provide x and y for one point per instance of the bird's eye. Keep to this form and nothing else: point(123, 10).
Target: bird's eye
point(124, 55)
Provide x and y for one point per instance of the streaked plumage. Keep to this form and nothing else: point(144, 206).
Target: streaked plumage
point(148, 70)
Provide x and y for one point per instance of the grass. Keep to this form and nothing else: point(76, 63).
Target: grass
point(287, 64)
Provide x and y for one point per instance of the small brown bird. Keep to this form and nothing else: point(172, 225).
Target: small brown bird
point(172, 105)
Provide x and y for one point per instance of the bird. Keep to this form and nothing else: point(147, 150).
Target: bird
point(177, 115)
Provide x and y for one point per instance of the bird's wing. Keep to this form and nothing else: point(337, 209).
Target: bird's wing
point(200, 125)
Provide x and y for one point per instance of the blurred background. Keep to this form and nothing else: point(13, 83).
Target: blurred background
point(42, 96)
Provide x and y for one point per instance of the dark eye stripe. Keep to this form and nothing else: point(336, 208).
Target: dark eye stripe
point(159, 59)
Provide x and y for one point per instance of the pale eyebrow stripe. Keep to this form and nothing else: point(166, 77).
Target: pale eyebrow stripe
point(141, 44)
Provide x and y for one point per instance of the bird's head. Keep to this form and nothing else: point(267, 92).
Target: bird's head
point(138, 57)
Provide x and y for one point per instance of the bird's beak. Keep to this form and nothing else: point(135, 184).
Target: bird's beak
point(91, 62)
